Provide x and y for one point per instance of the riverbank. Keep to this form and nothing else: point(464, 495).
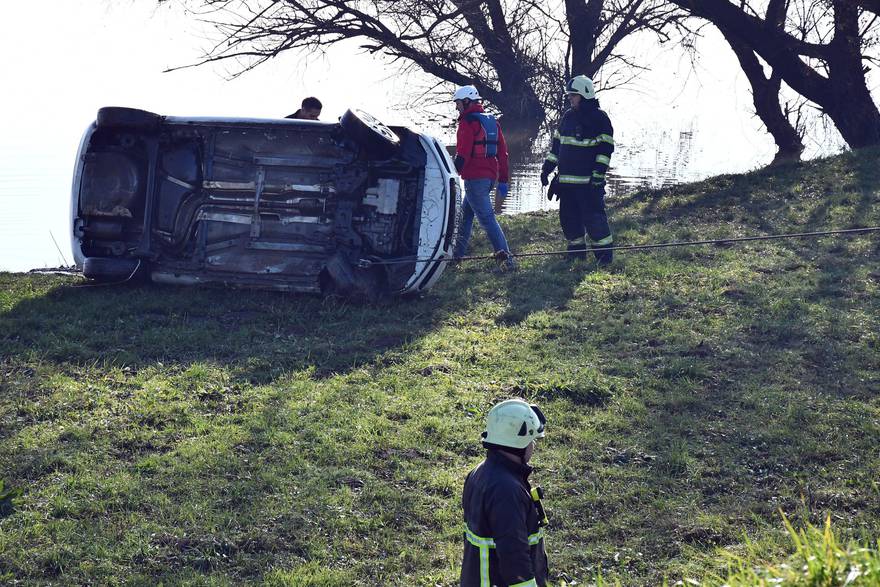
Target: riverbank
point(158, 434)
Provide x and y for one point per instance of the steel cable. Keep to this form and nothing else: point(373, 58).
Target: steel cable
point(717, 241)
point(365, 263)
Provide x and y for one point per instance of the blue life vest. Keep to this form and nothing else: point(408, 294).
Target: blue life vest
point(486, 143)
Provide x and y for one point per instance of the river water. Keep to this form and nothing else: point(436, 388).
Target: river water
point(632, 168)
point(527, 194)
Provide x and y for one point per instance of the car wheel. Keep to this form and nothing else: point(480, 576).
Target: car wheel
point(377, 141)
point(110, 268)
point(127, 117)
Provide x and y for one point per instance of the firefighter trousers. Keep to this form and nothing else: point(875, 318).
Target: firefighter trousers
point(582, 213)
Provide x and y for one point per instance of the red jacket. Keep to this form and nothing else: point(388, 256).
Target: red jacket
point(471, 167)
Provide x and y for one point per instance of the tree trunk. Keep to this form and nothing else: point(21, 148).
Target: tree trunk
point(789, 144)
point(516, 98)
point(584, 17)
point(843, 95)
point(765, 95)
point(523, 116)
point(849, 103)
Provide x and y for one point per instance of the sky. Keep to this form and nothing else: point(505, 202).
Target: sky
point(86, 54)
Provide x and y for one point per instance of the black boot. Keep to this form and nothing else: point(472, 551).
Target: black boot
point(576, 252)
point(604, 256)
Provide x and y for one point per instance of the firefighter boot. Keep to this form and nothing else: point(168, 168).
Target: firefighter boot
point(577, 249)
point(604, 256)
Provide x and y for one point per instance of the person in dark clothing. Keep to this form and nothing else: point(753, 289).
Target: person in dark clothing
point(481, 161)
point(582, 148)
point(310, 110)
point(503, 515)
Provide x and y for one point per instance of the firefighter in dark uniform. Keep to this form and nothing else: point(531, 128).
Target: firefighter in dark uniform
point(504, 518)
point(582, 149)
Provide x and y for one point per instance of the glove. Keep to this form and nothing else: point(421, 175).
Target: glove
point(596, 189)
point(553, 190)
point(503, 189)
point(546, 168)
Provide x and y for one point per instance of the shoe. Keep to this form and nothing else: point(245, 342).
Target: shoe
point(506, 262)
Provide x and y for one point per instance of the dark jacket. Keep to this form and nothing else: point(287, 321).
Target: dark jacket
point(467, 161)
point(582, 146)
point(501, 524)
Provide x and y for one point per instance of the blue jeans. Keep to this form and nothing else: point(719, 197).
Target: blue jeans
point(478, 202)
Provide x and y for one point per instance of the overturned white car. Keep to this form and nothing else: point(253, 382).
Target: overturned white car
point(349, 208)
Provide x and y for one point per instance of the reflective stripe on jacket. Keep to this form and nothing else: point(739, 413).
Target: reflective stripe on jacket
point(583, 145)
point(503, 543)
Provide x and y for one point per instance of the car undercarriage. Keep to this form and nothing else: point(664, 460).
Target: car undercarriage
point(300, 207)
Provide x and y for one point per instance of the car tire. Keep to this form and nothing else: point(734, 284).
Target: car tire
point(376, 140)
point(110, 268)
point(114, 116)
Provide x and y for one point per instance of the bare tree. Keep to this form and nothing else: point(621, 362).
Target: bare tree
point(596, 28)
point(766, 90)
point(517, 53)
point(820, 54)
point(767, 100)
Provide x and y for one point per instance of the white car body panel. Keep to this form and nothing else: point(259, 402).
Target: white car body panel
point(434, 245)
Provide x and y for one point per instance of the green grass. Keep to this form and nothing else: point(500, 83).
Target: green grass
point(192, 436)
point(819, 560)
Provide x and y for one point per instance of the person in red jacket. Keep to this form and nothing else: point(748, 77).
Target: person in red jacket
point(481, 161)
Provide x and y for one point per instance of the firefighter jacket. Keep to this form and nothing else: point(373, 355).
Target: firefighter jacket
point(474, 158)
point(503, 543)
point(582, 146)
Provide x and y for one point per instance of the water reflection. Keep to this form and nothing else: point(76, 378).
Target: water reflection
point(654, 169)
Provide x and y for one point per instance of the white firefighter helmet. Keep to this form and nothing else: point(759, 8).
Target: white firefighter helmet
point(466, 93)
point(582, 85)
point(514, 423)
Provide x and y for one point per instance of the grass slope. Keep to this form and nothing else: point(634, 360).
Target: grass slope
point(212, 437)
